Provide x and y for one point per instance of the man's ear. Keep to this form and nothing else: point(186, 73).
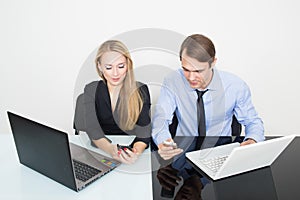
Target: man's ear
point(213, 63)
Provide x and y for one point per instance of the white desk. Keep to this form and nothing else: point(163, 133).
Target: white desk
point(125, 182)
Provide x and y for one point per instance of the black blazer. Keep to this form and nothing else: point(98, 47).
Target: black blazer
point(101, 121)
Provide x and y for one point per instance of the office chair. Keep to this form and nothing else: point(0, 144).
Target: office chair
point(79, 118)
point(236, 127)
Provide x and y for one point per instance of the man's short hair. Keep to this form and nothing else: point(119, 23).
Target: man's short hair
point(199, 47)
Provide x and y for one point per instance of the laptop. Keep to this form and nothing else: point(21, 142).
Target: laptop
point(232, 159)
point(48, 151)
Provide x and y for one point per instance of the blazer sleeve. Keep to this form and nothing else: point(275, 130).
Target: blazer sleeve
point(92, 126)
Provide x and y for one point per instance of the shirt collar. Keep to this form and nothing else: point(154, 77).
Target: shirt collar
point(216, 82)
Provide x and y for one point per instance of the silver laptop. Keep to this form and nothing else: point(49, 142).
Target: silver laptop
point(48, 151)
point(231, 159)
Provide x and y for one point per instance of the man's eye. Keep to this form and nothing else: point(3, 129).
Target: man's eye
point(184, 69)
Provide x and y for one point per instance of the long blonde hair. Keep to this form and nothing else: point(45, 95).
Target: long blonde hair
point(130, 100)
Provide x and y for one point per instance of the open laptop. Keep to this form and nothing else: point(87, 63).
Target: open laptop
point(232, 159)
point(48, 151)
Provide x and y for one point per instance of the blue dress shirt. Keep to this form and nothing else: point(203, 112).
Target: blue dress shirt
point(227, 95)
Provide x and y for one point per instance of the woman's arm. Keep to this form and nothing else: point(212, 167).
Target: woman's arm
point(92, 126)
point(106, 146)
point(139, 146)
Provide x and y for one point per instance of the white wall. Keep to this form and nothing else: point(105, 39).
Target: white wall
point(44, 44)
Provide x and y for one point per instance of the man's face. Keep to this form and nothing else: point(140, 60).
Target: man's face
point(198, 74)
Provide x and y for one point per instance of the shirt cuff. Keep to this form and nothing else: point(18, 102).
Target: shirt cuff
point(160, 137)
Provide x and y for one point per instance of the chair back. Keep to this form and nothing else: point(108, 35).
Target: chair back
point(79, 119)
point(236, 127)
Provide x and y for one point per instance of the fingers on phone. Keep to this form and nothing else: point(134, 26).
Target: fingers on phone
point(169, 152)
point(127, 156)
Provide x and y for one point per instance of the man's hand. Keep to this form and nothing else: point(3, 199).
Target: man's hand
point(248, 141)
point(191, 189)
point(168, 151)
point(167, 177)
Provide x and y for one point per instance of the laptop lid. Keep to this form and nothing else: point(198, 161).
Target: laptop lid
point(47, 151)
point(240, 158)
point(254, 156)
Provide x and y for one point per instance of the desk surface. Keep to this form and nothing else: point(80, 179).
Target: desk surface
point(20, 182)
point(278, 181)
point(192, 184)
point(137, 181)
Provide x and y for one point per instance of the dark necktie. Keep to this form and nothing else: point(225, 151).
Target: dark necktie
point(201, 114)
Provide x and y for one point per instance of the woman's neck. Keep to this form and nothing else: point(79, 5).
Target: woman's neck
point(114, 94)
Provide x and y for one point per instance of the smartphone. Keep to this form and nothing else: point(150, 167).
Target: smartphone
point(123, 147)
point(167, 193)
point(168, 143)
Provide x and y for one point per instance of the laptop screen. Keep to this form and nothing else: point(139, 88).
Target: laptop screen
point(43, 149)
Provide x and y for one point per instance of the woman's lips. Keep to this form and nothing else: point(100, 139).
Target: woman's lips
point(115, 79)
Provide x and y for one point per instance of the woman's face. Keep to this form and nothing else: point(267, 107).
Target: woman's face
point(114, 68)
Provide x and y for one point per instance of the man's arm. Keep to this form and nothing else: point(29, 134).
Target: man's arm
point(163, 114)
point(247, 115)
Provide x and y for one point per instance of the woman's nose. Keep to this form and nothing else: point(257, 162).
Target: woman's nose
point(115, 71)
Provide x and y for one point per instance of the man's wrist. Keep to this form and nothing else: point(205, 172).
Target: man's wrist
point(247, 139)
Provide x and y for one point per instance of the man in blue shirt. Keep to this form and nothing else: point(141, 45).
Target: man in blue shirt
point(225, 95)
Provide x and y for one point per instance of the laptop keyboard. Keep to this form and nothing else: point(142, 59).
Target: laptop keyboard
point(215, 163)
point(83, 171)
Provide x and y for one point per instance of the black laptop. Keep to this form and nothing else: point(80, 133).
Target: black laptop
point(48, 151)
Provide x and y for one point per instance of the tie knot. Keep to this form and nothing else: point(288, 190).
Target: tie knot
point(201, 93)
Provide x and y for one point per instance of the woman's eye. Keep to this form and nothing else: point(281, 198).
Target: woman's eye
point(121, 65)
point(107, 67)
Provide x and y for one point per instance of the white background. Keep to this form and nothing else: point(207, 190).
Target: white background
point(43, 45)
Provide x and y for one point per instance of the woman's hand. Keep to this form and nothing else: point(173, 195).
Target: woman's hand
point(124, 155)
point(127, 156)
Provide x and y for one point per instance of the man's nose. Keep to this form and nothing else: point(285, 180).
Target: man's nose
point(192, 75)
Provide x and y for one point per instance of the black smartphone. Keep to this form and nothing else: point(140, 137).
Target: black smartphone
point(123, 147)
point(167, 193)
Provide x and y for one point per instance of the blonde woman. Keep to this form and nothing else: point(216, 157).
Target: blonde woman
point(117, 104)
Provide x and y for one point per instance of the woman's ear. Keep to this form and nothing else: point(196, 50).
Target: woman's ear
point(99, 67)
